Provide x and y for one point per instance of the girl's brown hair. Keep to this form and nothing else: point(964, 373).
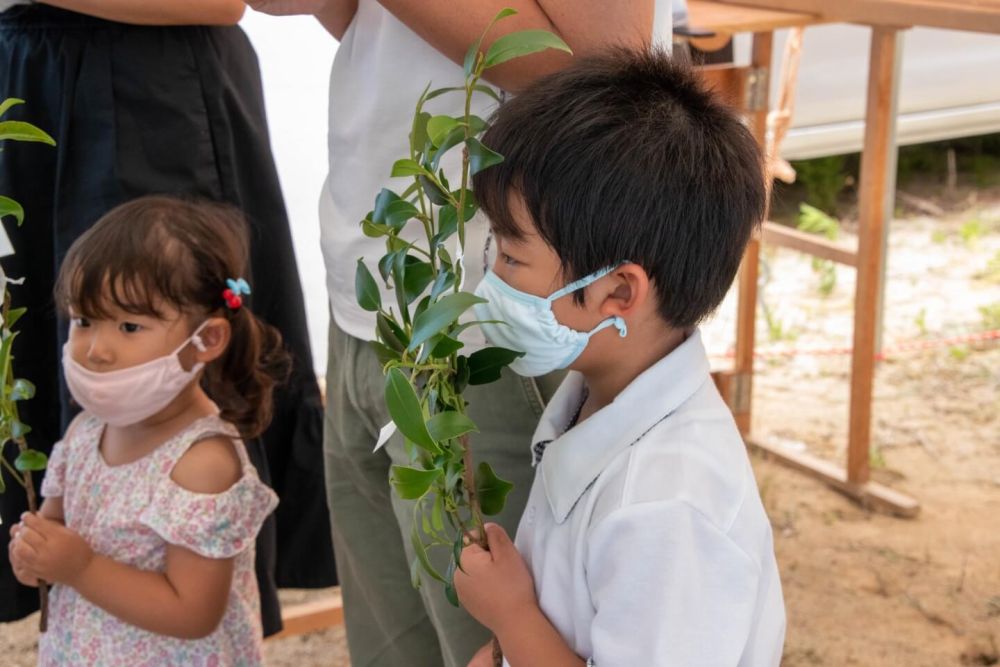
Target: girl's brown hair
point(159, 250)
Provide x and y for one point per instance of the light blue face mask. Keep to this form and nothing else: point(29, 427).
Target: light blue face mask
point(531, 326)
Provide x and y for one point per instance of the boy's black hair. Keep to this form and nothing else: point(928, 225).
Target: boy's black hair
point(625, 156)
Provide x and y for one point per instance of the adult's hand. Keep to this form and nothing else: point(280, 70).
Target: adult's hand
point(287, 7)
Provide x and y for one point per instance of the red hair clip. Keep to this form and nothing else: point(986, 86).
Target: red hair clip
point(232, 293)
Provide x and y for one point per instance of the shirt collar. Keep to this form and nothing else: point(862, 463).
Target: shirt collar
point(574, 459)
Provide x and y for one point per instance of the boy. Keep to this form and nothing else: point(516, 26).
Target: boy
point(644, 542)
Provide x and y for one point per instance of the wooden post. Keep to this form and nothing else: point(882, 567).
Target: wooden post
point(877, 186)
point(758, 94)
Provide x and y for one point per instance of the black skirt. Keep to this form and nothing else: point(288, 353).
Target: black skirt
point(137, 110)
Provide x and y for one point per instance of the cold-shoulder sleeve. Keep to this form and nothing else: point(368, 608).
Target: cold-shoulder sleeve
point(53, 484)
point(211, 525)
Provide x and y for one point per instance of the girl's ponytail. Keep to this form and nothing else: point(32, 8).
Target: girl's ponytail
point(242, 381)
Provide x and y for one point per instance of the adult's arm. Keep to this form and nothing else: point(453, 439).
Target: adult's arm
point(334, 15)
point(159, 12)
point(586, 25)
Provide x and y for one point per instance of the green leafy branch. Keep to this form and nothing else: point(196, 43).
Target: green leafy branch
point(14, 390)
point(417, 338)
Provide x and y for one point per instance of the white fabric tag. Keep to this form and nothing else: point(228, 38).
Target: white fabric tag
point(384, 434)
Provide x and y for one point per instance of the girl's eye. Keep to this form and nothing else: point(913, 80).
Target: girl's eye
point(508, 260)
point(130, 327)
point(80, 322)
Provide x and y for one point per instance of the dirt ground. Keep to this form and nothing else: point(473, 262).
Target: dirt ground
point(860, 588)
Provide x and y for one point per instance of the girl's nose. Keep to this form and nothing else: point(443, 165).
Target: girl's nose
point(99, 352)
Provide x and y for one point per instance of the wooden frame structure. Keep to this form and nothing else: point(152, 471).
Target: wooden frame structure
point(887, 19)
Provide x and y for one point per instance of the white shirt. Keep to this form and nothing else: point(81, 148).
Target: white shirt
point(644, 530)
point(380, 69)
point(379, 72)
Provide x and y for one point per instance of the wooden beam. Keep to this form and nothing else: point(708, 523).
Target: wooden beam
point(309, 617)
point(877, 183)
point(972, 15)
point(732, 19)
point(746, 309)
point(786, 237)
point(870, 494)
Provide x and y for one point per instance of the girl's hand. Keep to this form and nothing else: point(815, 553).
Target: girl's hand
point(495, 586)
point(20, 573)
point(50, 551)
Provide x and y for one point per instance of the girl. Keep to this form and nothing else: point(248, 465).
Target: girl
point(146, 97)
point(151, 504)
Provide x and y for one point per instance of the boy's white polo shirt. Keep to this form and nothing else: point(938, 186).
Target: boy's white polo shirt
point(644, 529)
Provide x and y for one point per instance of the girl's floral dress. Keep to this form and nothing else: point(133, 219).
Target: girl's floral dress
point(130, 513)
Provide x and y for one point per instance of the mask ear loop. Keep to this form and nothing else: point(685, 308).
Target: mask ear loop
point(196, 340)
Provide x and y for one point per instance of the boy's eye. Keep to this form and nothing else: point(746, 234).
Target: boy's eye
point(80, 322)
point(508, 260)
point(130, 327)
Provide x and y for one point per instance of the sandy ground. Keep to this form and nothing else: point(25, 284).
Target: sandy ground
point(860, 588)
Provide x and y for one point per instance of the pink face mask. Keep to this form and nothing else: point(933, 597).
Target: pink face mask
point(129, 395)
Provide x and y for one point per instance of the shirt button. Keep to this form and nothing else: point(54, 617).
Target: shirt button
point(531, 514)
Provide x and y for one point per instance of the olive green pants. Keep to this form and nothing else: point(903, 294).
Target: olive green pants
point(389, 623)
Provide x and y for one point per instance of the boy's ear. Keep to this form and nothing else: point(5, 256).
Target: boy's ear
point(628, 292)
point(214, 336)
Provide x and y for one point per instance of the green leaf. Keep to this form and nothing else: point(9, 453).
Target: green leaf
point(399, 212)
point(374, 231)
point(419, 133)
point(365, 289)
point(454, 138)
point(485, 365)
point(413, 483)
point(404, 408)
point(438, 128)
point(437, 520)
point(477, 125)
point(8, 103)
point(480, 157)
point(390, 332)
point(415, 572)
point(487, 90)
point(522, 43)
point(382, 201)
point(421, 552)
point(22, 390)
point(418, 276)
point(438, 92)
point(30, 460)
point(406, 167)
point(444, 280)
point(13, 315)
point(492, 490)
point(384, 353)
point(10, 207)
point(445, 346)
point(435, 193)
point(385, 265)
point(441, 315)
point(449, 586)
point(449, 425)
point(19, 429)
point(461, 374)
point(470, 57)
point(20, 131)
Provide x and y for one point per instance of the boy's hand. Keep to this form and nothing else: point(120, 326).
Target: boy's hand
point(495, 586)
point(20, 573)
point(51, 552)
point(483, 657)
